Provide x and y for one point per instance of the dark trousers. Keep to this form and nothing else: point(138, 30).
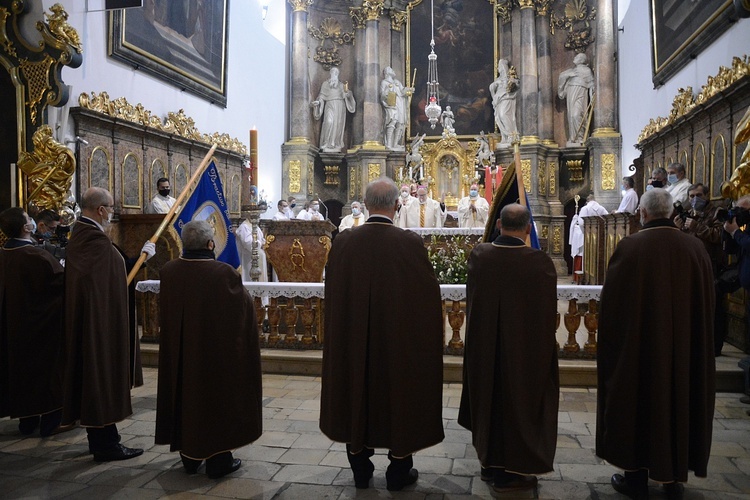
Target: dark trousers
point(102, 438)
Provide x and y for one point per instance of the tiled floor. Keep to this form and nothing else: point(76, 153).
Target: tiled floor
point(292, 459)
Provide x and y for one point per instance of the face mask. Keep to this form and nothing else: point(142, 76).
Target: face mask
point(657, 184)
point(649, 187)
point(314, 208)
point(164, 192)
point(31, 226)
point(473, 193)
point(356, 211)
point(404, 194)
point(47, 235)
point(292, 205)
point(672, 178)
point(698, 203)
point(106, 222)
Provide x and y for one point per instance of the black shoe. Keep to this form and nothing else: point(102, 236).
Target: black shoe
point(398, 483)
point(487, 474)
point(221, 464)
point(27, 425)
point(190, 464)
point(745, 400)
point(362, 479)
point(510, 481)
point(674, 491)
point(629, 489)
point(117, 452)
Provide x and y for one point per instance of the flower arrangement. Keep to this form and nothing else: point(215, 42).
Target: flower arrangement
point(450, 259)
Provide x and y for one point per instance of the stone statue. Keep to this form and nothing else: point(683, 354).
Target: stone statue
point(395, 100)
point(446, 120)
point(485, 156)
point(334, 100)
point(504, 90)
point(576, 86)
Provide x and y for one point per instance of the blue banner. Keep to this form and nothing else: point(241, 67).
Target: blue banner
point(208, 203)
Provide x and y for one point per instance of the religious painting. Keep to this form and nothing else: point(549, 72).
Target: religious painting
point(464, 45)
point(681, 30)
point(182, 42)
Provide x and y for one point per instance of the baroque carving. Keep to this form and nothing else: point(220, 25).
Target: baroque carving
point(608, 171)
point(398, 19)
point(176, 123)
point(58, 26)
point(557, 240)
point(300, 5)
point(352, 183)
point(332, 175)
point(739, 184)
point(373, 171)
point(358, 17)
point(576, 20)
point(372, 9)
point(543, 7)
point(503, 10)
point(329, 35)
point(310, 178)
point(5, 42)
point(37, 76)
point(542, 177)
point(49, 169)
point(526, 4)
point(575, 168)
point(552, 177)
point(526, 173)
point(295, 176)
point(683, 102)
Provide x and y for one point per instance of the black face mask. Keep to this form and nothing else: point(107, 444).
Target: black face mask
point(292, 205)
point(657, 184)
point(164, 192)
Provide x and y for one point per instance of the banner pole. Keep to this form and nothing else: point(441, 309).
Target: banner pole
point(174, 210)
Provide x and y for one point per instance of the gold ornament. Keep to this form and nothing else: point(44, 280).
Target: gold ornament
point(49, 169)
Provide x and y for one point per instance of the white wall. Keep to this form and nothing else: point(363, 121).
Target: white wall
point(638, 100)
point(255, 81)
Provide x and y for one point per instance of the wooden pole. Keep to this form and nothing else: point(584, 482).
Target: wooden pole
point(174, 210)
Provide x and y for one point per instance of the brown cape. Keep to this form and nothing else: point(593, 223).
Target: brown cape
point(209, 397)
point(97, 373)
point(655, 357)
point(31, 332)
point(382, 354)
point(511, 383)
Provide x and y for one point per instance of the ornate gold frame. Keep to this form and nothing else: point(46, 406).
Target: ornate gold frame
point(433, 154)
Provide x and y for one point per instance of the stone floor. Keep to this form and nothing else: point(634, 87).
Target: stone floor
point(292, 459)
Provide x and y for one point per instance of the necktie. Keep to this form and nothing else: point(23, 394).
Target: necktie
point(421, 215)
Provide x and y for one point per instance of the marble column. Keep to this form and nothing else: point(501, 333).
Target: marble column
point(360, 51)
point(546, 87)
point(398, 50)
point(605, 114)
point(529, 74)
point(300, 82)
point(505, 35)
point(373, 113)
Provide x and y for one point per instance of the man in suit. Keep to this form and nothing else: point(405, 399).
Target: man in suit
point(99, 371)
point(382, 364)
point(511, 384)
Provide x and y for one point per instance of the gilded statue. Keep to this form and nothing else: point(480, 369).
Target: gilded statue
point(739, 184)
point(58, 25)
point(49, 169)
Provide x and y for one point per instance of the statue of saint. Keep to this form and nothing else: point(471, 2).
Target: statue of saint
point(576, 86)
point(504, 90)
point(395, 100)
point(447, 120)
point(334, 100)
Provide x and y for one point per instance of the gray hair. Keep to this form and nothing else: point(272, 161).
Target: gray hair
point(743, 201)
point(678, 167)
point(381, 194)
point(657, 203)
point(196, 234)
point(358, 204)
point(659, 170)
point(95, 197)
point(514, 217)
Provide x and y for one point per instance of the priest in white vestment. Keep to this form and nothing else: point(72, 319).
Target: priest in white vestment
point(161, 203)
point(355, 219)
point(244, 238)
point(312, 212)
point(404, 200)
point(426, 212)
point(283, 211)
point(473, 209)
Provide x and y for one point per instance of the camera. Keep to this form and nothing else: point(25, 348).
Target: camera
point(740, 215)
point(60, 238)
point(680, 210)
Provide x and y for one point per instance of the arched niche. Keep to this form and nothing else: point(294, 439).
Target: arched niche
point(100, 169)
point(132, 182)
point(157, 170)
point(181, 176)
point(718, 165)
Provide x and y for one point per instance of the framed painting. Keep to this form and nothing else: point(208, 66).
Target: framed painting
point(465, 45)
point(183, 43)
point(681, 30)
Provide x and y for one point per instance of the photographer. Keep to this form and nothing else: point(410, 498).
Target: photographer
point(49, 234)
point(739, 243)
point(702, 221)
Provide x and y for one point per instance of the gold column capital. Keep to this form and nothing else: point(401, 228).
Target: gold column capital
point(526, 4)
point(373, 9)
point(398, 19)
point(542, 7)
point(300, 5)
point(358, 17)
point(503, 10)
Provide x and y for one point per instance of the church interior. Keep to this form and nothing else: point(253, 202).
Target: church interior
point(310, 100)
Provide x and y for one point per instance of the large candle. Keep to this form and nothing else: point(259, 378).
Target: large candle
point(254, 154)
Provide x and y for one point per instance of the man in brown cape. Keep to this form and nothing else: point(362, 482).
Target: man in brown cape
point(382, 364)
point(209, 396)
point(655, 359)
point(98, 372)
point(511, 383)
point(31, 333)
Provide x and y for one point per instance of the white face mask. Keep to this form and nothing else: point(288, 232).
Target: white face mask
point(30, 226)
point(404, 194)
point(314, 208)
point(356, 211)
